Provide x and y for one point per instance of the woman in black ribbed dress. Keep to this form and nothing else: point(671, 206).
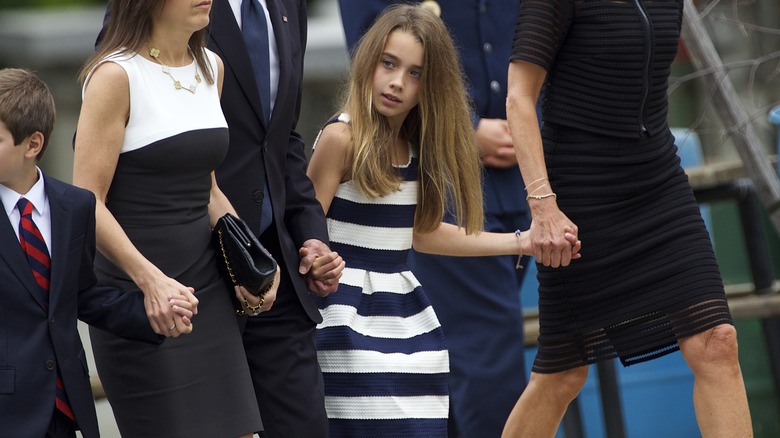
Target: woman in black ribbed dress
point(605, 164)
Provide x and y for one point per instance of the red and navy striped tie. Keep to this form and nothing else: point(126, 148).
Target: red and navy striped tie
point(37, 254)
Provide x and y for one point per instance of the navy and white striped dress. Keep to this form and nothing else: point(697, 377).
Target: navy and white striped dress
point(380, 345)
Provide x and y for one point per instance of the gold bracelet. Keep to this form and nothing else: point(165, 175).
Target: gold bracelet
point(533, 182)
point(546, 195)
point(541, 187)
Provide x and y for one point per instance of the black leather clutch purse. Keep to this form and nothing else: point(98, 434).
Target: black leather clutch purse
point(241, 258)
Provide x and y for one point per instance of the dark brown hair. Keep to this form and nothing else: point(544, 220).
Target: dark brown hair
point(26, 105)
point(129, 28)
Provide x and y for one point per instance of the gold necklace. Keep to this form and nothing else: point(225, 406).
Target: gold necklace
point(155, 54)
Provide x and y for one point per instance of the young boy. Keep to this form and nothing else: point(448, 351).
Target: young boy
point(47, 247)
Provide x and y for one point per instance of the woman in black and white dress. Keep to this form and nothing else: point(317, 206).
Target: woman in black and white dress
point(150, 134)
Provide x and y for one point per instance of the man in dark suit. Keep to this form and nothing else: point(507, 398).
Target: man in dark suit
point(476, 298)
point(44, 380)
point(266, 159)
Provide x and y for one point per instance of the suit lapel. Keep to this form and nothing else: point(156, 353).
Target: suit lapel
point(61, 223)
point(230, 43)
point(17, 262)
point(278, 14)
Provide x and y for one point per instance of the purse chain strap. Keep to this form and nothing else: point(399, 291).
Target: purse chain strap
point(227, 261)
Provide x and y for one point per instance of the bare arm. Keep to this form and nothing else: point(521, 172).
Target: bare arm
point(99, 138)
point(450, 240)
point(549, 224)
point(328, 167)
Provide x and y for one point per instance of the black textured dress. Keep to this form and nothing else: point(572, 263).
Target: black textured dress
point(648, 274)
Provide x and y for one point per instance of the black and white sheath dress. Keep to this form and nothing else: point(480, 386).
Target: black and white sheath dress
point(197, 385)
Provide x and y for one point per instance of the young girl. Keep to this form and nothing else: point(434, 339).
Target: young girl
point(403, 152)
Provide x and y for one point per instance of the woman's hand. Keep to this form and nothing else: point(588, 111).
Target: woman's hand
point(255, 305)
point(161, 295)
point(549, 227)
point(526, 245)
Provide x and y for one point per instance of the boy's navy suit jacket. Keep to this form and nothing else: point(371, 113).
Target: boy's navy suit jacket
point(36, 338)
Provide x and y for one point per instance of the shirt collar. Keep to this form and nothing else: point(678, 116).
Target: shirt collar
point(235, 5)
point(36, 195)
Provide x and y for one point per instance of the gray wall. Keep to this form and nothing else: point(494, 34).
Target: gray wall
point(55, 43)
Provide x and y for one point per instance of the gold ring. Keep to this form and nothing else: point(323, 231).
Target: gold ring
point(173, 327)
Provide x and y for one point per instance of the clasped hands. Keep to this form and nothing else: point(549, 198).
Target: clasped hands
point(169, 306)
point(321, 267)
point(554, 238)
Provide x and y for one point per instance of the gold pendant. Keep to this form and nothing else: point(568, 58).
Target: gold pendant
point(155, 54)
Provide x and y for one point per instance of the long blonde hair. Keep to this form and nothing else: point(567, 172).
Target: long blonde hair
point(439, 128)
point(129, 28)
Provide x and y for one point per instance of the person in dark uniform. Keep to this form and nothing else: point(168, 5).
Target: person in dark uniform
point(477, 299)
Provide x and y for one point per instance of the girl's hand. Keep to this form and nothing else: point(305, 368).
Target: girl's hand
point(321, 266)
point(325, 274)
point(576, 245)
point(327, 268)
point(255, 305)
point(182, 317)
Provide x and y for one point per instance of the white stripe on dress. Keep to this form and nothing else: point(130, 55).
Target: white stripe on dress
point(388, 327)
point(366, 361)
point(387, 408)
point(364, 236)
point(406, 195)
point(394, 282)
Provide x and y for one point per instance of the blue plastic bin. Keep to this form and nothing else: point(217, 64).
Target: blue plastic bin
point(774, 118)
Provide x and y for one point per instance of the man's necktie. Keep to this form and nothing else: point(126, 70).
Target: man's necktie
point(254, 28)
point(37, 253)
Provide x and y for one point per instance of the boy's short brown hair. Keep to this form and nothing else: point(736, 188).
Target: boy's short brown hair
point(26, 105)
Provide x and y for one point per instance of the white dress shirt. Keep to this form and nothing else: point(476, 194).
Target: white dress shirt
point(40, 215)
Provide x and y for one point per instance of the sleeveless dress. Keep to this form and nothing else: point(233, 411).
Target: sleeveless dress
point(648, 274)
point(380, 344)
point(196, 385)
